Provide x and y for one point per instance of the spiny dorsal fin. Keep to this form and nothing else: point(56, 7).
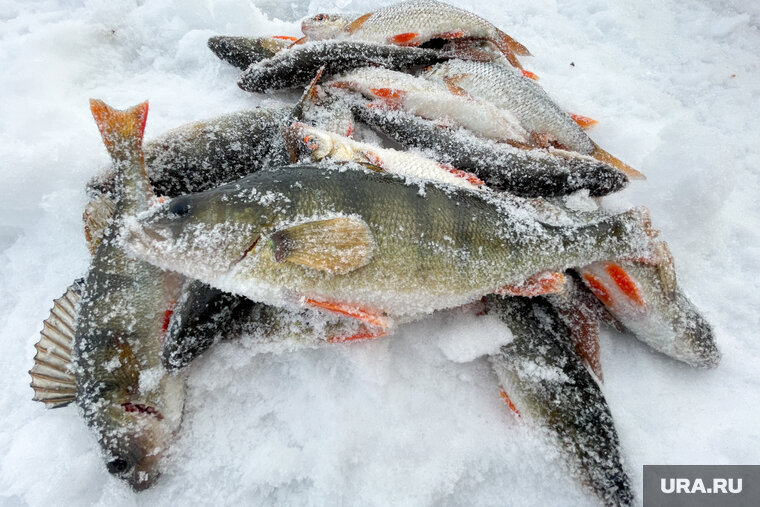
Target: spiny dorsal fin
point(337, 245)
point(96, 216)
point(52, 379)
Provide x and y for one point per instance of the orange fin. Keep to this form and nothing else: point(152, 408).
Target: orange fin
point(353, 311)
point(300, 41)
point(468, 177)
point(605, 157)
point(514, 46)
point(546, 282)
point(285, 37)
point(529, 74)
point(597, 287)
point(454, 88)
point(404, 39)
point(625, 283)
point(120, 129)
point(584, 329)
point(390, 97)
point(584, 121)
point(361, 335)
point(357, 23)
point(509, 403)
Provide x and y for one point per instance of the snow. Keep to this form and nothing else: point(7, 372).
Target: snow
point(410, 419)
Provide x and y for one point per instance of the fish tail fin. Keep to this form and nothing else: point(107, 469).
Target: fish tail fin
point(615, 162)
point(120, 129)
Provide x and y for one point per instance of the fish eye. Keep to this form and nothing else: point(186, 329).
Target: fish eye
point(117, 466)
point(180, 207)
point(320, 17)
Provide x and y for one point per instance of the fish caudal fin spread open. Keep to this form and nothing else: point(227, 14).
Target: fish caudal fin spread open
point(52, 379)
point(120, 129)
point(607, 158)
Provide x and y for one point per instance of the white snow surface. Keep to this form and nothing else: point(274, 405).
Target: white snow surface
point(412, 419)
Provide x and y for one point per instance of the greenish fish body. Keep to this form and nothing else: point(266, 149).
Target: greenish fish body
point(305, 233)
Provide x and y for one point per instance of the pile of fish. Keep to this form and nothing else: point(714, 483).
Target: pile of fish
point(299, 226)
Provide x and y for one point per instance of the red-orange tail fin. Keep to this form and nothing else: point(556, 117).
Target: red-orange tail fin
point(607, 158)
point(120, 129)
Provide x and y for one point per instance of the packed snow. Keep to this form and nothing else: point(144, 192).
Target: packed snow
point(416, 418)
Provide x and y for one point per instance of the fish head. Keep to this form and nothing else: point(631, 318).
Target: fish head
point(646, 299)
point(324, 26)
point(134, 411)
point(303, 139)
point(203, 235)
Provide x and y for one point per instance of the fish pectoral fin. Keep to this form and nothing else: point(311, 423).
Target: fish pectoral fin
point(357, 23)
point(370, 160)
point(625, 283)
point(454, 88)
point(546, 282)
point(666, 270)
point(364, 334)
point(336, 245)
point(508, 401)
point(583, 121)
point(529, 74)
point(298, 42)
point(607, 158)
point(52, 378)
point(97, 215)
point(351, 310)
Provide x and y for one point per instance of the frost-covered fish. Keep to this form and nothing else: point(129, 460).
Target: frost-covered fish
point(204, 154)
point(213, 316)
point(365, 244)
point(101, 345)
point(507, 88)
point(431, 100)
point(415, 22)
point(548, 386)
point(645, 298)
point(298, 65)
point(528, 173)
point(325, 26)
point(244, 51)
point(321, 144)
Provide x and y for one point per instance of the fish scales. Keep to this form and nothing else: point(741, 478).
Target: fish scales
point(506, 87)
point(528, 173)
point(298, 66)
point(435, 101)
point(435, 247)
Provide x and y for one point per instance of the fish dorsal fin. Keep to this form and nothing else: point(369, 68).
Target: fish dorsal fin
point(336, 245)
point(96, 216)
point(52, 379)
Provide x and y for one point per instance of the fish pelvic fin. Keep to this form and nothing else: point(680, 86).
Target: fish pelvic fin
point(607, 158)
point(52, 378)
point(583, 122)
point(121, 130)
point(545, 282)
point(514, 46)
